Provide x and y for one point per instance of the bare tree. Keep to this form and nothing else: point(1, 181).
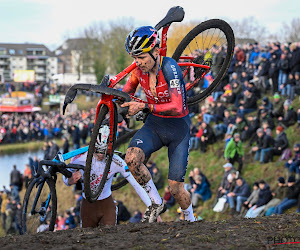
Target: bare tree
point(291, 32)
point(249, 27)
point(106, 47)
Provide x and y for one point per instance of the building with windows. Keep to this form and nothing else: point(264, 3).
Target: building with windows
point(27, 56)
point(75, 61)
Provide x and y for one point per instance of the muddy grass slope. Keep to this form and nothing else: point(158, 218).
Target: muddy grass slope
point(261, 233)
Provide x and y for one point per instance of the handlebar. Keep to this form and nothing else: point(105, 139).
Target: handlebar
point(60, 167)
point(102, 89)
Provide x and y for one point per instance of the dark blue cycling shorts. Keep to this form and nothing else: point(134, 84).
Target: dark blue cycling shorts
point(171, 132)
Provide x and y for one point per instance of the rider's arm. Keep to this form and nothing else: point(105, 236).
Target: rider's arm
point(132, 83)
point(176, 87)
point(124, 171)
point(68, 181)
point(79, 159)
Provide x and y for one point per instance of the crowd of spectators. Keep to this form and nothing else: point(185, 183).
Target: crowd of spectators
point(251, 109)
point(46, 126)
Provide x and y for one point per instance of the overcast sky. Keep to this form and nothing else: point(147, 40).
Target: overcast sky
point(50, 22)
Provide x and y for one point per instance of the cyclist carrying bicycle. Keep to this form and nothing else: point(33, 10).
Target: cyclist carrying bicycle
point(167, 124)
point(103, 211)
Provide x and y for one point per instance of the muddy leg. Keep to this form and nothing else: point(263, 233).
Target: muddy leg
point(180, 194)
point(134, 159)
point(183, 198)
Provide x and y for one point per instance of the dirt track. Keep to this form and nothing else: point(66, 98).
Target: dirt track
point(257, 233)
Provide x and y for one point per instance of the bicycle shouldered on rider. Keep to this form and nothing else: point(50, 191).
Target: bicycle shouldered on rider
point(167, 124)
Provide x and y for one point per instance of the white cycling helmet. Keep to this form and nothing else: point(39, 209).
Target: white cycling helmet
point(100, 147)
point(101, 141)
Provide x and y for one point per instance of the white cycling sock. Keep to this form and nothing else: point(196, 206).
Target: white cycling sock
point(152, 192)
point(189, 214)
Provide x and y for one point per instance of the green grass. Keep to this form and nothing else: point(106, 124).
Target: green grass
point(22, 147)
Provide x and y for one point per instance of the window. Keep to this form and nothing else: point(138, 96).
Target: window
point(39, 52)
point(20, 52)
point(2, 51)
point(12, 51)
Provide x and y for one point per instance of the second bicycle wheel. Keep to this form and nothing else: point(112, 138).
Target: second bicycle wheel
point(39, 207)
point(93, 184)
point(211, 43)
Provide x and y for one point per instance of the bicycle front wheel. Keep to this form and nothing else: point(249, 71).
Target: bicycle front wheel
point(93, 184)
point(39, 207)
point(211, 43)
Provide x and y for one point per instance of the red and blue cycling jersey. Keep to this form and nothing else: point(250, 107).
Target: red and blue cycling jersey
point(170, 99)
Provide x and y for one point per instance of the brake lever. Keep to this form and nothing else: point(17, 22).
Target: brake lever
point(70, 96)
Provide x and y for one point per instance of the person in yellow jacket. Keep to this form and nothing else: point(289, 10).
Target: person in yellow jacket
point(3, 209)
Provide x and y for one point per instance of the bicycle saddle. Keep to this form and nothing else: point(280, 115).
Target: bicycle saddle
point(175, 14)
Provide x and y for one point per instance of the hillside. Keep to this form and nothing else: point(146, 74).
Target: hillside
point(210, 164)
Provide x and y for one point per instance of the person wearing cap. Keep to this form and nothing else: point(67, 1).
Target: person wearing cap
point(278, 195)
point(293, 164)
point(234, 151)
point(291, 198)
point(289, 117)
point(252, 88)
point(265, 105)
point(280, 144)
point(277, 110)
point(263, 73)
point(264, 144)
point(264, 116)
point(228, 169)
point(264, 196)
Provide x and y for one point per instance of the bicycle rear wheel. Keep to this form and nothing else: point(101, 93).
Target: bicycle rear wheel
point(212, 44)
point(121, 146)
point(93, 184)
point(39, 207)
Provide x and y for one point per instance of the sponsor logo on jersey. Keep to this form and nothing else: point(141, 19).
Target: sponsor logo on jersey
point(174, 83)
point(138, 141)
point(117, 161)
point(163, 94)
point(96, 182)
point(175, 73)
